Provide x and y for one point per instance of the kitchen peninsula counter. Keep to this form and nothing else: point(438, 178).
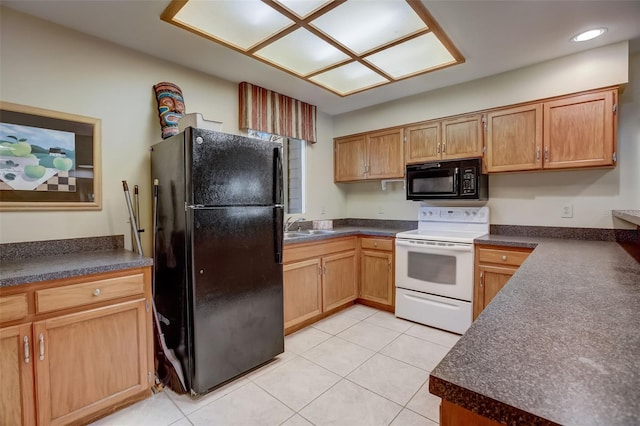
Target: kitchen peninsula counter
point(31, 262)
point(559, 344)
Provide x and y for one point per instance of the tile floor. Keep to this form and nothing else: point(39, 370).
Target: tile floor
point(360, 366)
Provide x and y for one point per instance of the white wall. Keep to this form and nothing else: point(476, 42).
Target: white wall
point(48, 66)
point(523, 198)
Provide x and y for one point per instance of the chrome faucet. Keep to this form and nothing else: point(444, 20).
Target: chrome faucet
point(288, 224)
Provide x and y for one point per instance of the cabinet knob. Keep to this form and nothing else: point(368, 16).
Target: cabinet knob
point(504, 257)
point(375, 244)
point(96, 292)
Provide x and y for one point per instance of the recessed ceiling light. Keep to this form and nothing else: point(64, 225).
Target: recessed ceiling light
point(589, 35)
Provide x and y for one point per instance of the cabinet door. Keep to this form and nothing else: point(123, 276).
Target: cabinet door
point(423, 142)
point(16, 376)
point(339, 284)
point(579, 131)
point(376, 276)
point(302, 291)
point(386, 154)
point(514, 139)
point(489, 281)
point(350, 158)
point(90, 360)
point(462, 137)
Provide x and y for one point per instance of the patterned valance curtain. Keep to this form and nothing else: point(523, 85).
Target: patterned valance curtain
point(271, 112)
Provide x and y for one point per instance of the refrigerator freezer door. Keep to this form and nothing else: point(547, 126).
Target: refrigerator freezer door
point(237, 292)
point(230, 170)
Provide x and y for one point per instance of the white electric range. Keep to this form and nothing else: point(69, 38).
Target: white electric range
point(434, 266)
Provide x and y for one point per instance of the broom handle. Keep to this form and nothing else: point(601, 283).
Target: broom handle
point(132, 218)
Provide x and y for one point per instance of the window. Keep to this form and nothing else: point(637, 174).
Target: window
point(293, 156)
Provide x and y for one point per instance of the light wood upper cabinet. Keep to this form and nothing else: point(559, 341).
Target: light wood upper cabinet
point(462, 137)
point(514, 139)
point(386, 154)
point(579, 131)
point(374, 155)
point(423, 142)
point(90, 360)
point(302, 291)
point(350, 158)
point(17, 403)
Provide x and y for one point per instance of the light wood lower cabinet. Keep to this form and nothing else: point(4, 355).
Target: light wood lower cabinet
point(76, 361)
point(17, 402)
point(494, 267)
point(318, 277)
point(377, 271)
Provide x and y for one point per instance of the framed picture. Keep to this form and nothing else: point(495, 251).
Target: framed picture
point(49, 160)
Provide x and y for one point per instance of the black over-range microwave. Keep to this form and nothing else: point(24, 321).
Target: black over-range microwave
point(447, 180)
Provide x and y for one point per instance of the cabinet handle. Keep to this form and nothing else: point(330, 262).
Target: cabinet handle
point(375, 244)
point(319, 270)
point(504, 257)
point(389, 266)
point(324, 270)
point(438, 149)
point(444, 148)
point(26, 349)
point(481, 279)
point(41, 338)
point(537, 153)
point(546, 153)
point(96, 292)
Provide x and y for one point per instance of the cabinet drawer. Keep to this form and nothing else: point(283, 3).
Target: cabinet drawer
point(13, 307)
point(504, 257)
point(53, 299)
point(376, 244)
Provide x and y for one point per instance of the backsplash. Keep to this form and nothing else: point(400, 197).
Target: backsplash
point(13, 251)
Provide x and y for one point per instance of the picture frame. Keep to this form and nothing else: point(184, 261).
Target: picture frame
point(49, 160)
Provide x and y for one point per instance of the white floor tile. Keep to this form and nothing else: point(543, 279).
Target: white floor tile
point(249, 405)
point(433, 335)
point(336, 323)
point(409, 418)
point(338, 355)
point(304, 340)
point(360, 311)
point(350, 405)
point(277, 362)
point(188, 405)
point(389, 320)
point(182, 422)
point(297, 382)
point(417, 352)
point(297, 420)
point(393, 379)
point(426, 403)
point(157, 410)
point(369, 335)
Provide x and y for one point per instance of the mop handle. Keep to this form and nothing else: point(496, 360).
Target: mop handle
point(132, 218)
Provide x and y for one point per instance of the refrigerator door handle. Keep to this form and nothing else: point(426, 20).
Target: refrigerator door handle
point(278, 230)
point(277, 176)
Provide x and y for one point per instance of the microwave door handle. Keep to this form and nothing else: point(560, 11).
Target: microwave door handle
point(456, 189)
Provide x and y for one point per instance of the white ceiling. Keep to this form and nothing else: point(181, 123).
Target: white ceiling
point(493, 36)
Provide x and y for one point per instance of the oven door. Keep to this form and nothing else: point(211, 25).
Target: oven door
point(435, 267)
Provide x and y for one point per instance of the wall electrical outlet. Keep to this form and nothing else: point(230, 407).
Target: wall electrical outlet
point(567, 210)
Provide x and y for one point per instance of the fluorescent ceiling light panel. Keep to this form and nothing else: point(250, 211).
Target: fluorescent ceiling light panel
point(344, 46)
point(365, 25)
point(301, 52)
point(238, 23)
point(302, 8)
point(411, 57)
point(349, 78)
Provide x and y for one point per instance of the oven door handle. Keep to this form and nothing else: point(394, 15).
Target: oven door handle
point(454, 247)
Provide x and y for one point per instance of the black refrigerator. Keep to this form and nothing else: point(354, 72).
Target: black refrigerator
point(218, 254)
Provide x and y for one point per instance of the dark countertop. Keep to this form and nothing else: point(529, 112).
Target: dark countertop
point(36, 269)
point(559, 344)
point(345, 231)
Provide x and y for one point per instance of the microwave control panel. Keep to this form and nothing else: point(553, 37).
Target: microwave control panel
point(468, 180)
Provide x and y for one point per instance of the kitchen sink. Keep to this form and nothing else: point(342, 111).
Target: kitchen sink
point(307, 232)
point(293, 234)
